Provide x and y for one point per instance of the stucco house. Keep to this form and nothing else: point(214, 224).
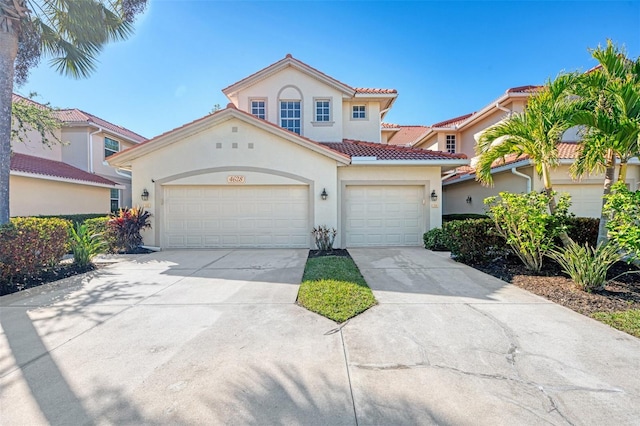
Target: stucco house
point(295, 148)
point(72, 177)
point(463, 194)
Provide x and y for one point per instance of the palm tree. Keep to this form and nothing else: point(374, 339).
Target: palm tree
point(71, 32)
point(611, 119)
point(535, 132)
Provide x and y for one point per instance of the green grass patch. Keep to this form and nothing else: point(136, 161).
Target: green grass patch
point(334, 288)
point(627, 321)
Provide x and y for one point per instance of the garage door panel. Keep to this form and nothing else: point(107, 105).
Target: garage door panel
point(220, 216)
point(384, 215)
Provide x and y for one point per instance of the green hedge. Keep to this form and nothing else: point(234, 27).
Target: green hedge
point(436, 239)
point(27, 245)
point(473, 240)
point(76, 219)
point(462, 216)
point(583, 230)
point(98, 225)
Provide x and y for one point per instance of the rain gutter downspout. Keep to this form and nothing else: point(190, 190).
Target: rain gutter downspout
point(90, 148)
point(448, 175)
point(528, 178)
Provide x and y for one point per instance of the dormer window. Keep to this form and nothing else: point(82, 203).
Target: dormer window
point(359, 112)
point(450, 144)
point(259, 108)
point(111, 147)
point(290, 116)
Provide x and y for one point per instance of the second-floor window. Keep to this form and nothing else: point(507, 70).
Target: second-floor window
point(323, 108)
point(359, 112)
point(110, 147)
point(451, 144)
point(258, 108)
point(290, 117)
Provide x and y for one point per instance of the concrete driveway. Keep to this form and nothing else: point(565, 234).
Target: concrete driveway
point(214, 337)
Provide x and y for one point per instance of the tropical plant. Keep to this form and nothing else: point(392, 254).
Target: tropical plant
point(611, 119)
point(71, 32)
point(84, 244)
point(324, 237)
point(533, 133)
point(28, 115)
point(526, 224)
point(623, 210)
point(587, 266)
point(126, 226)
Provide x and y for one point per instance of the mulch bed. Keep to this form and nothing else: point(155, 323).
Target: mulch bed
point(47, 275)
point(621, 294)
point(334, 252)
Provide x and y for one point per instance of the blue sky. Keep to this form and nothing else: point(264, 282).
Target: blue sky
point(444, 58)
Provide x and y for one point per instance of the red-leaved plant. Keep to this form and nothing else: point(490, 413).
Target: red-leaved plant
point(126, 226)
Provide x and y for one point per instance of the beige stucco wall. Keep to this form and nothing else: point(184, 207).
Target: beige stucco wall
point(75, 152)
point(32, 145)
point(386, 175)
point(270, 159)
point(455, 196)
point(291, 84)
point(362, 129)
point(33, 197)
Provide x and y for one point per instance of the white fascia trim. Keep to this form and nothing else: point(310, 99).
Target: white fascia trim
point(372, 96)
point(506, 167)
point(356, 162)
point(66, 180)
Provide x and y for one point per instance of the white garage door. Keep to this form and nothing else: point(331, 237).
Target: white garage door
point(384, 215)
point(236, 216)
point(586, 200)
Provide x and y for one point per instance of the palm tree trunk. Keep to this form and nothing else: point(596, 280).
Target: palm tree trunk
point(608, 180)
point(8, 52)
point(548, 189)
point(622, 174)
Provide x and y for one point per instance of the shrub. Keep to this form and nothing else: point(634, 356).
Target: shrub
point(473, 240)
point(126, 226)
point(587, 266)
point(623, 208)
point(324, 237)
point(583, 230)
point(75, 218)
point(526, 224)
point(27, 245)
point(84, 244)
point(99, 226)
point(463, 216)
point(436, 239)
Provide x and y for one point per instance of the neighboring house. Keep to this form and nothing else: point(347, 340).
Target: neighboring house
point(294, 149)
point(463, 194)
point(403, 135)
point(72, 177)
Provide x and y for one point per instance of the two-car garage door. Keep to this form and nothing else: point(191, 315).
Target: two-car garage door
point(236, 216)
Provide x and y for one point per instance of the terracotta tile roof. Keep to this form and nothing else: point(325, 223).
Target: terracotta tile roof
point(17, 98)
point(452, 122)
point(388, 152)
point(290, 57)
point(42, 166)
point(75, 115)
point(368, 90)
point(566, 151)
point(408, 135)
point(525, 89)
point(389, 125)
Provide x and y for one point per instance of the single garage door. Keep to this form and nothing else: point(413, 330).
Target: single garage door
point(586, 200)
point(384, 215)
point(236, 216)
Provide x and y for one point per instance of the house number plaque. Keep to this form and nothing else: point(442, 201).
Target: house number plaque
point(235, 179)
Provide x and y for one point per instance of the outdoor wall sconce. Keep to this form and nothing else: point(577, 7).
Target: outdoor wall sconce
point(469, 199)
point(324, 194)
point(434, 196)
point(145, 195)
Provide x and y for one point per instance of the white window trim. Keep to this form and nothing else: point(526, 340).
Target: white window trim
point(366, 112)
point(315, 111)
point(301, 113)
point(119, 198)
point(104, 145)
point(266, 106)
